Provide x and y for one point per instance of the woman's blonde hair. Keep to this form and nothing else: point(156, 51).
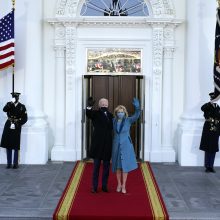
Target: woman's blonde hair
point(121, 107)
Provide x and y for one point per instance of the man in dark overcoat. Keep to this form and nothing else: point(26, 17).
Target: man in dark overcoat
point(210, 133)
point(17, 116)
point(101, 144)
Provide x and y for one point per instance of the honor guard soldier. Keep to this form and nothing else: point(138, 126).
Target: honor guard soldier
point(17, 116)
point(210, 133)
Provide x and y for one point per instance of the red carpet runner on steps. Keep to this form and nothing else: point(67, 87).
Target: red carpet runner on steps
point(142, 201)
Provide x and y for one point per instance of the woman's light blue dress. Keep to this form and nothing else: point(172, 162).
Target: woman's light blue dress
point(123, 155)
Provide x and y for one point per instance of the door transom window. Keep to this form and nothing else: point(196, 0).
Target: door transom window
point(114, 8)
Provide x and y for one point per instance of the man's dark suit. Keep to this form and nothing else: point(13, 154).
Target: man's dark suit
point(101, 146)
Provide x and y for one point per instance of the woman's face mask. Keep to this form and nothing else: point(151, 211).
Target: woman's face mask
point(120, 115)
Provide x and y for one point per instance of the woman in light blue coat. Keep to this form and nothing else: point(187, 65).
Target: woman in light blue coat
point(123, 156)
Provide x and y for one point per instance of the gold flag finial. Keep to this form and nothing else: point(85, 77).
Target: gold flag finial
point(13, 3)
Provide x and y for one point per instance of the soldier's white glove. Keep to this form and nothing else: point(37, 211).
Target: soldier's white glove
point(12, 126)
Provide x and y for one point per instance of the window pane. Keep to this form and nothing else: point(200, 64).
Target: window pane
point(114, 8)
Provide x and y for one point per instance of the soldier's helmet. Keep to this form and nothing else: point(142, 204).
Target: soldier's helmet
point(214, 96)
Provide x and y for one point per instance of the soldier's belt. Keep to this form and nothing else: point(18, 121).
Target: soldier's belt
point(212, 120)
point(14, 119)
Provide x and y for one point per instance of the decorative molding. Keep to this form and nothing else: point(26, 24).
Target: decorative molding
point(157, 57)
point(70, 46)
point(115, 22)
point(157, 49)
point(168, 34)
point(72, 7)
point(71, 39)
point(169, 37)
point(59, 32)
point(61, 5)
point(160, 8)
point(169, 8)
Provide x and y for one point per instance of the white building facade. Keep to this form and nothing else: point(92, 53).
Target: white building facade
point(52, 39)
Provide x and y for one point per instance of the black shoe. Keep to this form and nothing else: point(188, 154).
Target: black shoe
point(8, 166)
point(94, 191)
point(211, 169)
point(15, 166)
point(104, 189)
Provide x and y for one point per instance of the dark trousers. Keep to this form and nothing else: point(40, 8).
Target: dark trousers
point(105, 173)
point(9, 157)
point(209, 159)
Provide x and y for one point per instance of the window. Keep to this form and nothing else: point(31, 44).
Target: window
point(114, 8)
point(114, 60)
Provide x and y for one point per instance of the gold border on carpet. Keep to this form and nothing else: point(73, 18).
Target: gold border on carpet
point(69, 196)
point(153, 194)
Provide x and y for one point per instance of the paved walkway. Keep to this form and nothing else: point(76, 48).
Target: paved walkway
point(32, 191)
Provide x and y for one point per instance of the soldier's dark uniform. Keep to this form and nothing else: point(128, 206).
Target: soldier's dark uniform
point(17, 116)
point(210, 134)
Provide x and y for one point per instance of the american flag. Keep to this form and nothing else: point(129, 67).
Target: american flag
point(7, 49)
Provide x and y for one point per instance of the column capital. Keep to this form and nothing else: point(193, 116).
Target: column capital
point(168, 52)
point(60, 51)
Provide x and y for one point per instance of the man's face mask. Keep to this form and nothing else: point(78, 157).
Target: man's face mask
point(104, 109)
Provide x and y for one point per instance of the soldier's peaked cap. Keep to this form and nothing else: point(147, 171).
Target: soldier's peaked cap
point(15, 94)
point(212, 95)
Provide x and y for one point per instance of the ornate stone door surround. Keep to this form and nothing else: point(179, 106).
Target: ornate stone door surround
point(162, 23)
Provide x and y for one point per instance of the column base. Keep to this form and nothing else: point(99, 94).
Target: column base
point(61, 153)
point(189, 137)
point(164, 155)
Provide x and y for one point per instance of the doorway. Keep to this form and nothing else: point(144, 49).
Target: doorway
point(119, 90)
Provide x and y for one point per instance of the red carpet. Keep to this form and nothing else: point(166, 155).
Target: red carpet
point(143, 200)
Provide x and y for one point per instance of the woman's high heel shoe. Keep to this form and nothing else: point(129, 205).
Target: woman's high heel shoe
point(118, 189)
point(123, 190)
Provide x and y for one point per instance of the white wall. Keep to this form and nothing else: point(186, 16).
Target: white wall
point(48, 88)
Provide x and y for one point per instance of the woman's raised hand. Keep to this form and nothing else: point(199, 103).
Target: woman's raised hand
point(136, 103)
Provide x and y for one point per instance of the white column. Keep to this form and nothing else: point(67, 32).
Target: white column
point(59, 136)
point(34, 61)
point(198, 78)
point(34, 146)
point(167, 143)
point(72, 150)
point(155, 154)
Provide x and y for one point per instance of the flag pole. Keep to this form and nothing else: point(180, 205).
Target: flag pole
point(13, 66)
point(13, 4)
point(13, 78)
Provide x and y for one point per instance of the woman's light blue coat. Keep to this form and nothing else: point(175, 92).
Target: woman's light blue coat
point(122, 143)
